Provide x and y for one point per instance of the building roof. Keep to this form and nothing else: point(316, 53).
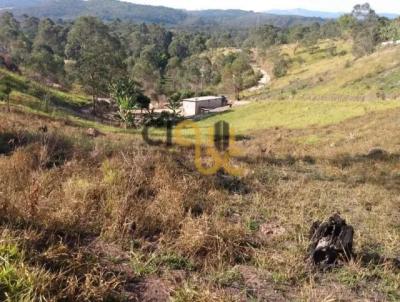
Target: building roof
point(203, 98)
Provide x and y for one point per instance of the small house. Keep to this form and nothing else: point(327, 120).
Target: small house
point(199, 105)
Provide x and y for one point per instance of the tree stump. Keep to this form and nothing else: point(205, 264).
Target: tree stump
point(331, 242)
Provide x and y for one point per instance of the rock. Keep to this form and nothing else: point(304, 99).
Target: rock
point(331, 242)
point(377, 153)
point(92, 132)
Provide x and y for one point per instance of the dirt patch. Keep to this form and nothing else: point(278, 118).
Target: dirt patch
point(258, 286)
point(154, 289)
point(270, 230)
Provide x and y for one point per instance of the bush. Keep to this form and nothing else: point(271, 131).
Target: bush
point(381, 95)
point(280, 68)
point(364, 44)
point(348, 64)
point(36, 91)
point(162, 120)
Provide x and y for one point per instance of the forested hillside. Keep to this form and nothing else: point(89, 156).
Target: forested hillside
point(19, 3)
point(114, 9)
point(168, 62)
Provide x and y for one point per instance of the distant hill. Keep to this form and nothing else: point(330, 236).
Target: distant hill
point(320, 14)
point(113, 9)
point(240, 18)
point(104, 9)
point(305, 13)
point(18, 3)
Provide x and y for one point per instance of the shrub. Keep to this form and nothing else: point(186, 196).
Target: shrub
point(17, 282)
point(381, 95)
point(162, 120)
point(36, 91)
point(280, 68)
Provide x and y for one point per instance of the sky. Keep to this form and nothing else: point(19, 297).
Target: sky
point(386, 6)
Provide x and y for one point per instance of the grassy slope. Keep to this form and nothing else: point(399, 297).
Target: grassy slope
point(107, 210)
point(294, 114)
point(321, 76)
point(320, 89)
point(28, 95)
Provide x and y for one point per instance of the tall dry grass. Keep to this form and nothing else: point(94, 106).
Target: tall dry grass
point(110, 219)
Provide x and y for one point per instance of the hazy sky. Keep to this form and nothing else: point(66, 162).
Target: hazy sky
point(387, 6)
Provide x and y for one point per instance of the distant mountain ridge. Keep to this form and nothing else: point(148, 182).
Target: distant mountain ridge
point(18, 3)
point(305, 13)
point(320, 14)
point(109, 10)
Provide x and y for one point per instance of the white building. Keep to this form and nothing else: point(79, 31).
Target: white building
point(199, 105)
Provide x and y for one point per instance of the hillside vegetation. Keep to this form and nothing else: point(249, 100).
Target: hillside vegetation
point(319, 89)
point(112, 218)
point(33, 94)
point(89, 211)
point(109, 10)
point(331, 72)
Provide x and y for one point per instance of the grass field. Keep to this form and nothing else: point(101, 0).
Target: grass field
point(89, 217)
point(294, 114)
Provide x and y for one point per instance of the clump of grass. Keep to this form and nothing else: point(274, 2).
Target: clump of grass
point(17, 281)
point(228, 277)
point(144, 265)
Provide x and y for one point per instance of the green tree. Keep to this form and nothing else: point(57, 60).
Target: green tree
point(129, 96)
point(96, 55)
point(30, 26)
point(237, 72)
point(365, 30)
point(51, 35)
point(46, 63)
point(311, 35)
point(197, 44)
point(391, 30)
point(281, 66)
point(174, 103)
point(9, 31)
point(12, 40)
point(346, 22)
point(266, 36)
point(179, 47)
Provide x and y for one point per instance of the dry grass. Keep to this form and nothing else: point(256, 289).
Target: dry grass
point(341, 77)
point(111, 219)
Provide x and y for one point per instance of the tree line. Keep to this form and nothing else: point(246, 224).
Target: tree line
point(92, 54)
point(165, 62)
